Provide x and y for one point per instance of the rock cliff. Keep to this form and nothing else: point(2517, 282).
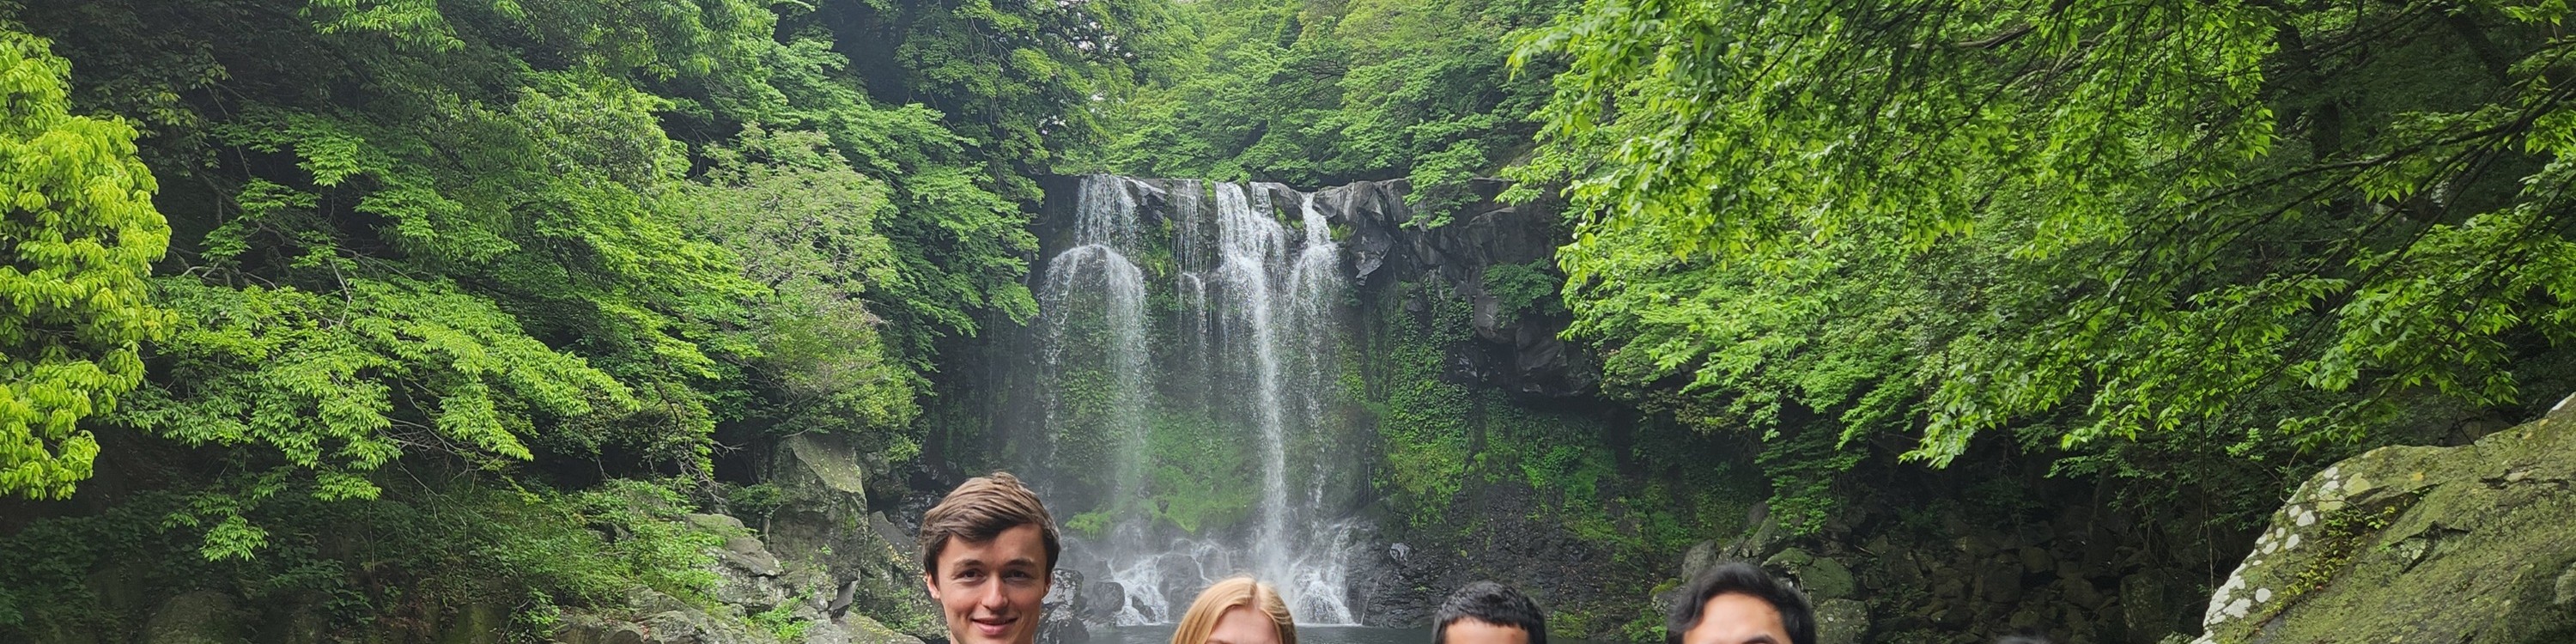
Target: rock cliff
point(2474, 544)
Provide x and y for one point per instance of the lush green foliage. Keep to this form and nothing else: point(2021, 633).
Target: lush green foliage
point(473, 229)
point(1317, 93)
point(2235, 229)
point(79, 235)
point(531, 244)
point(388, 567)
point(803, 225)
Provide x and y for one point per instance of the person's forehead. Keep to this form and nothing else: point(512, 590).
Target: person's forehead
point(1242, 625)
point(1471, 628)
point(1735, 618)
point(1018, 544)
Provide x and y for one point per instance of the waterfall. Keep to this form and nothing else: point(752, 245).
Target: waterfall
point(1244, 345)
point(1096, 276)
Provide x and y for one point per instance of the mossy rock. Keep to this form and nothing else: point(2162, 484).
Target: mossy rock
point(1822, 578)
point(197, 617)
point(2466, 544)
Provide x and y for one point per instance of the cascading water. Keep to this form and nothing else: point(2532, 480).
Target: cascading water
point(1245, 358)
point(1096, 277)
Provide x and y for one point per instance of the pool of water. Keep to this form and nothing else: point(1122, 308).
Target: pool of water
point(1162, 634)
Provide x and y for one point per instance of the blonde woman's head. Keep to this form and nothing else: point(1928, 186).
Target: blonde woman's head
point(1237, 611)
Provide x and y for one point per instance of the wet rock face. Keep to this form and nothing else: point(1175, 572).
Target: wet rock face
point(1517, 351)
point(1061, 612)
point(2470, 544)
point(824, 524)
point(794, 599)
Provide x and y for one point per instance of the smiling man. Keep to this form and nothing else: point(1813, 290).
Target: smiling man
point(988, 552)
point(1737, 603)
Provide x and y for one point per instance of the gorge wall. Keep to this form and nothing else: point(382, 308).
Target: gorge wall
point(1453, 436)
point(1249, 378)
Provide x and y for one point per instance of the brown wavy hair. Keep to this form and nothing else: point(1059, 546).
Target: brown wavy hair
point(979, 510)
point(1212, 603)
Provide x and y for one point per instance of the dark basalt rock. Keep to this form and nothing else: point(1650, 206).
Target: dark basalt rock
point(1062, 611)
point(1519, 353)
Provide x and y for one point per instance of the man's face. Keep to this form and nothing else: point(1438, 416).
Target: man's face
point(1737, 618)
point(1476, 631)
point(990, 591)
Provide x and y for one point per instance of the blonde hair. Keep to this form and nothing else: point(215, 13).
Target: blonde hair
point(1212, 603)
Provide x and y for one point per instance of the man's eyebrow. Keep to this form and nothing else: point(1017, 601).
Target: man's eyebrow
point(1021, 561)
point(1764, 638)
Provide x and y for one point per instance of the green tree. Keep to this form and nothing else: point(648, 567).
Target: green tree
point(80, 235)
point(2239, 230)
point(1321, 93)
point(803, 223)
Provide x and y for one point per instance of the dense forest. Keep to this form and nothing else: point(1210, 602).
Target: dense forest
point(511, 286)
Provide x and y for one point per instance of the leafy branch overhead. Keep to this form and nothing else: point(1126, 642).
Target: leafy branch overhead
point(2091, 219)
point(78, 235)
point(419, 235)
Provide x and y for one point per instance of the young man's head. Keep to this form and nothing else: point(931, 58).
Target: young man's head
point(1489, 613)
point(1737, 603)
point(988, 552)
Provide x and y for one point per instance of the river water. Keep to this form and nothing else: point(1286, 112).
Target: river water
point(1306, 634)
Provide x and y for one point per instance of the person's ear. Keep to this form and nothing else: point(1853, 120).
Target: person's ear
point(927, 581)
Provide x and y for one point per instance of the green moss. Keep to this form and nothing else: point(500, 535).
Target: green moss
point(1422, 420)
point(2341, 538)
point(1088, 524)
point(1202, 473)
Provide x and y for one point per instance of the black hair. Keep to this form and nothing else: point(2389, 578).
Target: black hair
point(2023, 639)
point(1742, 578)
point(1491, 603)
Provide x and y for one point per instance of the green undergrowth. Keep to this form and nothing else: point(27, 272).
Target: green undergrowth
point(1641, 487)
point(403, 564)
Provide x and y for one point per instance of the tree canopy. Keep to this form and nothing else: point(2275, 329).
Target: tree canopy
point(80, 234)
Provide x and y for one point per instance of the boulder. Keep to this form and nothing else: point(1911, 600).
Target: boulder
point(831, 461)
point(1822, 578)
point(1061, 611)
point(480, 623)
point(750, 556)
point(823, 523)
point(2466, 545)
point(196, 617)
point(1701, 556)
point(1842, 621)
point(862, 630)
point(2147, 610)
point(594, 629)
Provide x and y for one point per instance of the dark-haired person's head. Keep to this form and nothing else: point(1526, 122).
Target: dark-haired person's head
point(1488, 613)
point(2023, 639)
point(1737, 603)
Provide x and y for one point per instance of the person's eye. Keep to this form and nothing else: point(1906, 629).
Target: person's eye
point(969, 575)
